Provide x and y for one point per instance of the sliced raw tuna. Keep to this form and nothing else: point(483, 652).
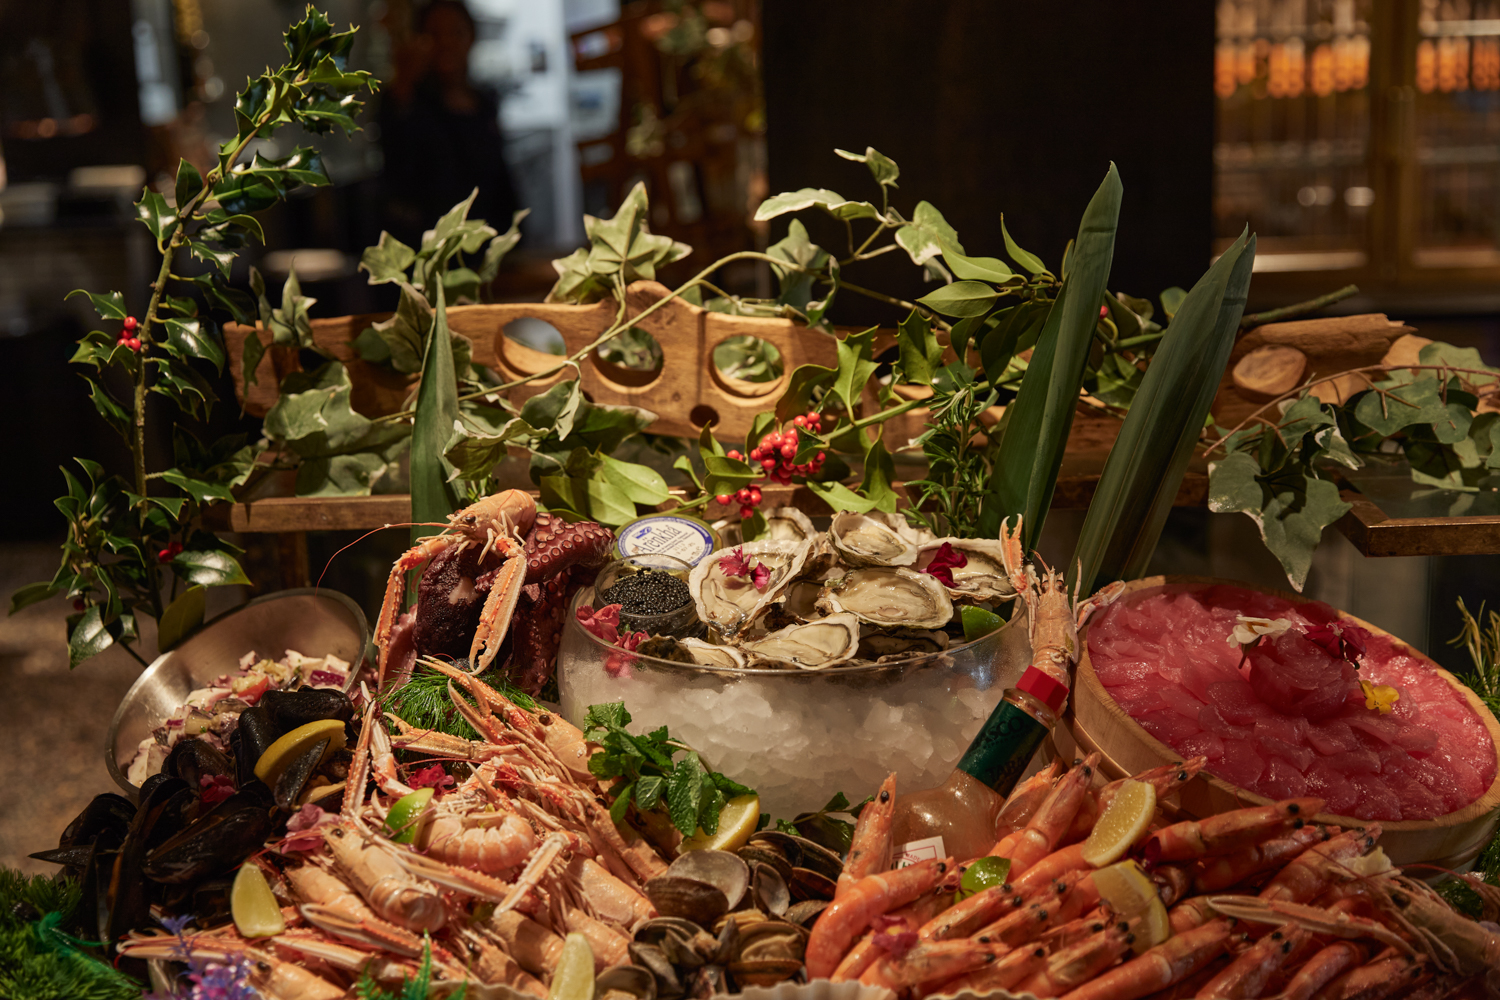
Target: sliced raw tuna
point(1332, 737)
point(1204, 744)
point(1242, 764)
point(1236, 702)
point(1283, 780)
point(1213, 721)
point(1355, 762)
point(1296, 676)
point(1298, 755)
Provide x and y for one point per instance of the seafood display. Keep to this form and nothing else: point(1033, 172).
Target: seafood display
point(1277, 713)
point(211, 713)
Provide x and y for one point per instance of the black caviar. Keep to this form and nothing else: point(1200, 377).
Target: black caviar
point(649, 592)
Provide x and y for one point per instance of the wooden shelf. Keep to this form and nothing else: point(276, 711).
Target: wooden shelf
point(1374, 533)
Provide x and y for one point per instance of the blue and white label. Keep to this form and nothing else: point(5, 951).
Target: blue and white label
point(673, 536)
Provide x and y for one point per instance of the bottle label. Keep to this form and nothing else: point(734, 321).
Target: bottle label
point(1003, 747)
point(909, 853)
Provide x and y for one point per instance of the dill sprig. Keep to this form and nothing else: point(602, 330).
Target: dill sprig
point(1481, 635)
point(423, 701)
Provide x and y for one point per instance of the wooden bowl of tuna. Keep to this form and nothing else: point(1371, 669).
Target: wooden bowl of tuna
point(1160, 679)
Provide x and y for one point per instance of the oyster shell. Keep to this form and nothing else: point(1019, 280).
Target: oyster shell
point(902, 643)
point(899, 597)
point(787, 524)
point(821, 643)
point(728, 603)
point(866, 540)
point(708, 655)
point(982, 577)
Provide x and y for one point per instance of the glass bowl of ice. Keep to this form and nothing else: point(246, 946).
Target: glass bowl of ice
point(798, 736)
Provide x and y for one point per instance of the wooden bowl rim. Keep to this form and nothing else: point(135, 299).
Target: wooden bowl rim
point(1481, 806)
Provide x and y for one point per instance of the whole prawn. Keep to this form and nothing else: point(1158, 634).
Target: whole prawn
point(847, 917)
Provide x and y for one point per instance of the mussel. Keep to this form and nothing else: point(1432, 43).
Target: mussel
point(290, 709)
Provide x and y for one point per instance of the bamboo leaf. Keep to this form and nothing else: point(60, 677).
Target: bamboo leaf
point(433, 498)
point(1038, 422)
point(1146, 465)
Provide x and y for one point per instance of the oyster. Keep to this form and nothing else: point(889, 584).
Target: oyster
point(727, 602)
point(902, 643)
point(787, 524)
point(813, 646)
point(899, 598)
point(983, 577)
point(709, 655)
point(865, 540)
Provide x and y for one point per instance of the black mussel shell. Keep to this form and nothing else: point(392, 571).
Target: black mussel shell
point(290, 709)
point(149, 786)
point(257, 731)
point(289, 785)
point(207, 901)
point(123, 896)
point(105, 812)
point(192, 758)
point(219, 841)
point(177, 813)
point(336, 767)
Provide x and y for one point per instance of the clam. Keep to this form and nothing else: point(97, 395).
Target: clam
point(787, 524)
point(626, 981)
point(821, 643)
point(675, 896)
point(902, 643)
point(708, 655)
point(724, 871)
point(655, 961)
point(899, 598)
point(766, 854)
point(685, 944)
point(865, 540)
point(983, 576)
point(803, 913)
point(799, 852)
point(809, 884)
point(769, 952)
point(768, 890)
point(729, 602)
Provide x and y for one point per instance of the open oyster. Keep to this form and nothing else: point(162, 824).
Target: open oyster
point(902, 643)
point(865, 540)
point(891, 598)
point(811, 646)
point(709, 655)
point(726, 596)
point(982, 577)
point(787, 524)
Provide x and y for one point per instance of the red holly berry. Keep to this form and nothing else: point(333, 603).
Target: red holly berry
point(1103, 311)
point(134, 343)
point(78, 604)
point(788, 451)
point(723, 499)
point(746, 513)
point(768, 464)
point(800, 421)
point(820, 457)
point(734, 454)
point(754, 495)
point(130, 323)
point(742, 495)
point(756, 454)
point(770, 441)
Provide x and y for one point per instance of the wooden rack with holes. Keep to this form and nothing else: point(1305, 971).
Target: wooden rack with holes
point(688, 391)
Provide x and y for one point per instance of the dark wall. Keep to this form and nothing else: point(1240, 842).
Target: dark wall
point(993, 107)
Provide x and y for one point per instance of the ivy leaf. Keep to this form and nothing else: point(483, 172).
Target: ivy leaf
point(925, 236)
point(194, 338)
point(500, 246)
point(919, 353)
point(1392, 406)
point(189, 183)
point(831, 202)
point(181, 617)
point(156, 214)
point(313, 417)
point(398, 341)
point(1291, 520)
point(796, 248)
point(856, 354)
point(565, 493)
point(625, 246)
point(882, 167)
point(209, 568)
point(640, 483)
point(108, 306)
point(474, 456)
point(840, 497)
point(556, 408)
point(387, 260)
point(1029, 261)
point(604, 427)
point(961, 298)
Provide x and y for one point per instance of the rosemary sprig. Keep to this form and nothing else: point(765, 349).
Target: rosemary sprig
point(1481, 635)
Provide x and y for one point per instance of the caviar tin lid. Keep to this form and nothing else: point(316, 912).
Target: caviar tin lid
point(687, 538)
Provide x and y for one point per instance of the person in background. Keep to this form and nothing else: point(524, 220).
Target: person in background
point(439, 132)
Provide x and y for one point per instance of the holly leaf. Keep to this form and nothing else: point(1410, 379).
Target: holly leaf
point(882, 167)
point(831, 202)
point(195, 338)
point(880, 472)
point(154, 212)
point(925, 236)
point(209, 568)
point(90, 634)
point(109, 306)
point(107, 407)
point(33, 593)
point(189, 182)
point(1029, 261)
point(856, 354)
point(919, 353)
point(961, 298)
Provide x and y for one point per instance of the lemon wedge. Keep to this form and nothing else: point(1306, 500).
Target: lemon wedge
point(573, 979)
point(1152, 927)
point(279, 755)
point(252, 905)
point(1126, 888)
point(1122, 823)
point(737, 821)
point(405, 817)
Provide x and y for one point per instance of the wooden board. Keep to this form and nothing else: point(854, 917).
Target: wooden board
point(1094, 720)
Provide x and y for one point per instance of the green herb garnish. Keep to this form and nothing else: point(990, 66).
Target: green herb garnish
point(691, 794)
point(822, 828)
point(424, 703)
point(1481, 634)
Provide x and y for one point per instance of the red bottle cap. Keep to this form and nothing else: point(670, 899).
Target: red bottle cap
point(1044, 687)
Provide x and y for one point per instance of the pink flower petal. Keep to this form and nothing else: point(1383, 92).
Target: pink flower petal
point(760, 576)
point(734, 563)
point(944, 563)
point(604, 623)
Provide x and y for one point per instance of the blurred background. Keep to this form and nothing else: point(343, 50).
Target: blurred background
point(1360, 139)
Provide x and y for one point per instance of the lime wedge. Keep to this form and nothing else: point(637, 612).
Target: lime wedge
point(252, 905)
point(979, 622)
point(405, 817)
point(294, 744)
point(982, 874)
point(737, 821)
point(1126, 819)
point(573, 979)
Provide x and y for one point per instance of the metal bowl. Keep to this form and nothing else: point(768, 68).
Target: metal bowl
point(313, 622)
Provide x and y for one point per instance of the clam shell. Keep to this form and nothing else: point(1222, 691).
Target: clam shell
point(805, 911)
point(709, 655)
point(766, 854)
point(787, 524)
point(808, 884)
point(724, 871)
point(823, 642)
point(765, 971)
point(772, 939)
point(899, 598)
point(655, 961)
point(684, 943)
point(632, 980)
point(674, 896)
point(768, 890)
point(800, 852)
point(983, 577)
point(866, 540)
point(728, 604)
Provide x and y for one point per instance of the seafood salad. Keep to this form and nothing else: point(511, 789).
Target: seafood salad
point(211, 713)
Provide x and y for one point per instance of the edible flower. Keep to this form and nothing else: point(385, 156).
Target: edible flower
point(308, 822)
point(215, 788)
point(431, 777)
point(893, 937)
point(604, 623)
point(1380, 697)
point(1341, 640)
point(1249, 630)
point(736, 564)
point(944, 563)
